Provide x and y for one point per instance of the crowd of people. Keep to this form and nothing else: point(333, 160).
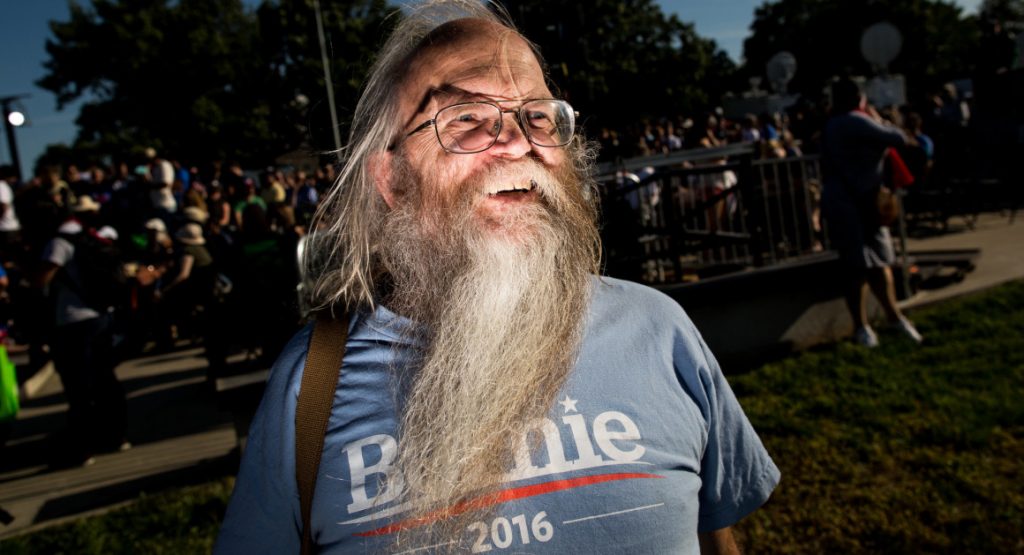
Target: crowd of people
point(776, 135)
point(941, 117)
point(140, 257)
point(935, 167)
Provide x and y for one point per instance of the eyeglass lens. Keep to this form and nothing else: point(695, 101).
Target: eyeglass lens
point(474, 126)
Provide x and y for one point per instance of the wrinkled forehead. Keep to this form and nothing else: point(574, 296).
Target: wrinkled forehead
point(470, 59)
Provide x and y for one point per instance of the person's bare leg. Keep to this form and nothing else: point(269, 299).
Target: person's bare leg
point(856, 301)
point(884, 288)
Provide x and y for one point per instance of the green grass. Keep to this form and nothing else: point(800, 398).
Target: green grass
point(900, 449)
point(177, 521)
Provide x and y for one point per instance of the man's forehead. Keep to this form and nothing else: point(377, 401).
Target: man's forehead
point(477, 58)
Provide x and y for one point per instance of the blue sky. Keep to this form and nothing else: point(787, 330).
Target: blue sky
point(24, 30)
point(728, 21)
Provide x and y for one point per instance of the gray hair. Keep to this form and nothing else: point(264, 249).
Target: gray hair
point(341, 251)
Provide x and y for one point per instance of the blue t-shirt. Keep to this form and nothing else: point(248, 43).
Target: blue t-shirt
point(645, 447)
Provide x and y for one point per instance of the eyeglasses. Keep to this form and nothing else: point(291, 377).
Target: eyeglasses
point(471, 127)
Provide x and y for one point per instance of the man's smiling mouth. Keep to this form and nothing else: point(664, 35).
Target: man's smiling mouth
point(502, 190)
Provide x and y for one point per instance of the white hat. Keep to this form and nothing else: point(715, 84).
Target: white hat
point(107, 233)
point(86, 204)
point(190, 234)
point(156, 224)
point(195, 214)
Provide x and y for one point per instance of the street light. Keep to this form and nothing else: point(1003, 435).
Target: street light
point(17, 119)
point(13, 118)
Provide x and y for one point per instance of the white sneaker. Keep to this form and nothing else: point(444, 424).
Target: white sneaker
point(907, 328)
point(865, 336)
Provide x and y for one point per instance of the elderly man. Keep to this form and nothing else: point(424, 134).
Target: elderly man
point(495, 394)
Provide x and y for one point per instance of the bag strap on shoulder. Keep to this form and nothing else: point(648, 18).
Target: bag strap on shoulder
point(316, 397)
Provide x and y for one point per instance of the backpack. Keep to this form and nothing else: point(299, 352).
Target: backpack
point(101, 283)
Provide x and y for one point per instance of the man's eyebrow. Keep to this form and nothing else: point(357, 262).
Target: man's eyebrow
point(442, 93)
point(434, 92)
point(447, 94)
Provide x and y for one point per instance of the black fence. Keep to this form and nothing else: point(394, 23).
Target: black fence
point(700, 213)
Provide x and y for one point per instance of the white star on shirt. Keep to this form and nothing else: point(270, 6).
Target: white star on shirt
point(568, 404)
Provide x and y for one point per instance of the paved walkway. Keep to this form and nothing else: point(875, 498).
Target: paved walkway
point(180, 434)
point(1001, 259)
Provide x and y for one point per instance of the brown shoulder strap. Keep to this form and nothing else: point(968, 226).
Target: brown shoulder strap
point(316, 397)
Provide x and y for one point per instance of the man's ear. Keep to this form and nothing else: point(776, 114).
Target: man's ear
point(379, 166)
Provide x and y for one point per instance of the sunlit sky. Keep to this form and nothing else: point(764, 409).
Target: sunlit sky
point(24, 30)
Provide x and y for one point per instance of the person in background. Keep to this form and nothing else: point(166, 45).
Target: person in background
point(10, 227)
point(750, 129)
point(305, 199)
point(77, 181)
point(82, 348)
point(218, 208)
point(854, 147)
point(919, 156)
point(702, 133)
point(279, 213)
point(188, 284)
point(250, 198)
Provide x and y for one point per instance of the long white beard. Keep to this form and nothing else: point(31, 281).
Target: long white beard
point(502, 320)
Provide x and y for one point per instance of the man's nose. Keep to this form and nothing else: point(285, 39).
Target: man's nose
point(512, 140)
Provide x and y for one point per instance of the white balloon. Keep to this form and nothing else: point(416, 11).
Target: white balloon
point(881, 43)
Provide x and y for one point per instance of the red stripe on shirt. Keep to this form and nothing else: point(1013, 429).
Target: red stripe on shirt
point(504, 496)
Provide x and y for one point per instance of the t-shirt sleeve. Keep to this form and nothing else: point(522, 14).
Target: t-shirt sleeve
point(737, 474)
point(263, 515)
point(880, 134)
point(58, 251)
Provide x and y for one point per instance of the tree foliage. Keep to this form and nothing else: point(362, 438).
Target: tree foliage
point(1001, 22)
point(205, 79)
point(353, 28)
point(1009, 13)
point(211, 79)
point(619, 61)
point(825, 35)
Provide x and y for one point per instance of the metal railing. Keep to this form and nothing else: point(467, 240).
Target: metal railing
point(699, 213)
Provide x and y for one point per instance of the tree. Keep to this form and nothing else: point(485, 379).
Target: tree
point(1001, 22)
point(999, 80)
point(1009, 13)
point(824, 35)
point(354, 30)
point(209, 79)
point(58, 155)
point(160, 75)
point(619, 61)
point(201, 79)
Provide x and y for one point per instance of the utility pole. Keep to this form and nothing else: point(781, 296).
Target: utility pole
point(327, 76)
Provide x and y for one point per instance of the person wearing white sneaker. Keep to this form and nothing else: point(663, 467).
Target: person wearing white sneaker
point(854, 147)
point(906, 327)
point(865, 336)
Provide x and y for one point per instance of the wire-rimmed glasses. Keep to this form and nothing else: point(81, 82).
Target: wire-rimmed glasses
point(471, 127)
